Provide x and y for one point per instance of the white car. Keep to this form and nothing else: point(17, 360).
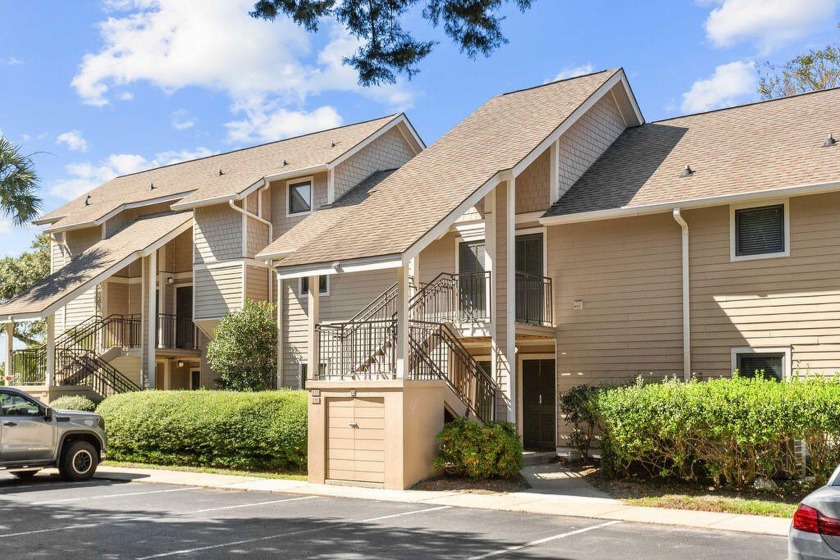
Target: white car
point(815, 531)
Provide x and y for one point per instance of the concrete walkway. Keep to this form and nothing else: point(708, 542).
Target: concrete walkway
point(552, 495)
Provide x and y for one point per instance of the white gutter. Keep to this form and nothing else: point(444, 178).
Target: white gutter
point(630, 211)
point(686, 307)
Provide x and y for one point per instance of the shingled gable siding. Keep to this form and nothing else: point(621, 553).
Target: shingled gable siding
point(389, 151)
point(586, 140)
point(532, 186)
point(791, 302)
point(86, 305)
point(627, 273)
point(281, 223)
point(217, 234)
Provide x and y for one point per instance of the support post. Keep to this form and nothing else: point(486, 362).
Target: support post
point(148, 321)
point(10, 349)
point(510, 301)
point(313, 295)
point(50, 377)
point(401, 354)
point(280, 348)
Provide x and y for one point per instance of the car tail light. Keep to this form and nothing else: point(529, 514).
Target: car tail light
point(810, 520)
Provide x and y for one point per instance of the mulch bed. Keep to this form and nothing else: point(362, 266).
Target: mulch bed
point(460, 484)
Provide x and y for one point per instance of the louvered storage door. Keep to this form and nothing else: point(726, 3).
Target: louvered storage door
point(356, 439)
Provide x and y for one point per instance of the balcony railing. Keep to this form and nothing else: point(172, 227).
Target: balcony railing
point(533, 300)
point(174, 331)
point(456, 298)
point(358, 350)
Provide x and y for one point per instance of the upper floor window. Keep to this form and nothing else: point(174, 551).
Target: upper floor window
point(760, 232)
point(300, 196)
point(323, 286)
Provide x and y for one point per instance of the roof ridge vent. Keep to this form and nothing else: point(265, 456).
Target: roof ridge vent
point(87, 200)
point(830, 141)
point(687, 172)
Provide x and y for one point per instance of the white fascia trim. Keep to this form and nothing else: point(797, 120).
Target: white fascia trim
point(356, 265)
point(116, 211)
point(234, 263)
point(626, 212)
point(276, 256)
point(298, 173)
point(596, 96)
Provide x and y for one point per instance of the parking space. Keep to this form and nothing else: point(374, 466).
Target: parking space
point(46, 517)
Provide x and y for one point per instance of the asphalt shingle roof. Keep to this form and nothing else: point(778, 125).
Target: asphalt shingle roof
point(746, 149)
point(415, 197)
point(105, 255)
point(199, 179)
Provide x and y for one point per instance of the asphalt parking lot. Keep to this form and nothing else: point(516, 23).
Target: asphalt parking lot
point(48, 518)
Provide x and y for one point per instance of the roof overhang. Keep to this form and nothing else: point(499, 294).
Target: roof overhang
point(630, 211)
point(99, 278)
point(324, 269)
point(121, 208)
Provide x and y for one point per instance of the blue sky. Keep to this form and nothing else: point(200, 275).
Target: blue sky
point(96, 88)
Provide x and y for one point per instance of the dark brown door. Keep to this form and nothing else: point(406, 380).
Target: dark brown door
point(184, 329)
point(538, 404)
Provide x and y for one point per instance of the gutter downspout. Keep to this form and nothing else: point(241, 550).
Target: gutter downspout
point(686, 318)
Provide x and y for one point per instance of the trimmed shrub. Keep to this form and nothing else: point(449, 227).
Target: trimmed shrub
point(469, 449)
point(579, 408)
point(249, 431)
point(244, 348)
point(73, 402)
point(731, 431)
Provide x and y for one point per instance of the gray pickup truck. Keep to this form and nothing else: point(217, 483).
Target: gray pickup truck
point(33, 436)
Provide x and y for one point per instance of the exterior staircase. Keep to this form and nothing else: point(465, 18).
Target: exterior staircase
point(364, 347)
point(82, 356)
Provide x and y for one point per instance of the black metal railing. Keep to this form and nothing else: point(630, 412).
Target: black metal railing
point(29, 366)
point(175, 331)
point(358, 350)
point(456, 298)
point(533, 300)
point(437, 353)
point(86, 368)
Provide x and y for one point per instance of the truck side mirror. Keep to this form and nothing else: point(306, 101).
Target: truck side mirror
point(48, 414)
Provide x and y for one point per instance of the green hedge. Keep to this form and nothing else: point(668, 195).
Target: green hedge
point(73, 402)
point(224, 429)
point(467, 448)
point(731, 431)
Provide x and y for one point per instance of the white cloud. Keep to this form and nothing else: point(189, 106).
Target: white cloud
point(182, 120)
point(5, 225)
point(770, 23)
point(265, 122)
point(171, 45)
point(73, 140)
point(84, 176)
point(574, 71)
point(729, 84)
point(10, 61)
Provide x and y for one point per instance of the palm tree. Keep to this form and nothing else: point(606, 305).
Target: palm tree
point(18, 185)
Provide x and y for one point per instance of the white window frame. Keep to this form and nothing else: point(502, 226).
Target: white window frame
point(298, 181)
point(786, 361)
point(305, 293)
point(733, 257)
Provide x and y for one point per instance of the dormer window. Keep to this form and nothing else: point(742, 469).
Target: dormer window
point(300, 196)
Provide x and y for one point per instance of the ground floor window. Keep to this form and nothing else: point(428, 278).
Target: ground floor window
point(772, 364)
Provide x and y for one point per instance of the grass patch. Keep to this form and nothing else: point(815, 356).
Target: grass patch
point(781, 502)
point(209, 470)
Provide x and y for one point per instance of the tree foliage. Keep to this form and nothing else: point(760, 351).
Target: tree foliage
point(814, 71)
point(386, 47)
point(18, 184)
point(244, 351)
point(18, 274)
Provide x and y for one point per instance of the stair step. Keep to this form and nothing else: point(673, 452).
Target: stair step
point(538, 457)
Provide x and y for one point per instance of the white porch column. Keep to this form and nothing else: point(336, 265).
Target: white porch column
point(280, 348)
point(500, 224)
point(10, 347)
point(401, 354)
point(148, 320)
point(414, 275)
point(50, 378)
point(313, 362)
point(167, 375)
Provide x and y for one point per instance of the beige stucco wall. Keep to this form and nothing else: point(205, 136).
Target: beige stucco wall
point(413, 416)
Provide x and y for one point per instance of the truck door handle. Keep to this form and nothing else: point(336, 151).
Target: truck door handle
point(10, 424)
point(354, 424)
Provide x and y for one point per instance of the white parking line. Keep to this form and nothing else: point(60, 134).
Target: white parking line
point(542, 541)
point(65, 528)
point(402, 514)
point(254, 504)
point(284, 535)
point(89, 498)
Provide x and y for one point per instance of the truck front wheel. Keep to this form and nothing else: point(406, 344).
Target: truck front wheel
point(78, 461)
